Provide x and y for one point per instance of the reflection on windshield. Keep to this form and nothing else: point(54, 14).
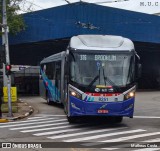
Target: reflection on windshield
point(118, 68)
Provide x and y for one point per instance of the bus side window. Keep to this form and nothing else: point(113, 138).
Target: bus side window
point(53, 70)
point(49, 70)
point(57, 79)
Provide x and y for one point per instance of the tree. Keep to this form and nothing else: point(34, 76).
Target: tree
point(15, 20)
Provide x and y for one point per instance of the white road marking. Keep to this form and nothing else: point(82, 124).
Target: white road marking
point(122, 139)
point(103, 135)
point(152, 117)
point(109, 148)
point(149, 141)
point(51, 120)
point(53, 128)
point(153, 140)
point(36, 117)
point(29, 127)
point(147, 149)
point(57, 132)
point(44, 119)
point(83, 133)
point(49, 115)
point(43, 129)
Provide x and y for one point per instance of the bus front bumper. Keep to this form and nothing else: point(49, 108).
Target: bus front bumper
point(81, 108)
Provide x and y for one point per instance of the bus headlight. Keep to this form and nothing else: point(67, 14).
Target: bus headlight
point(129, 95)
point(75, 94)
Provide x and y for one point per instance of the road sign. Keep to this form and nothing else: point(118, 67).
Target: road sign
point(13, 94)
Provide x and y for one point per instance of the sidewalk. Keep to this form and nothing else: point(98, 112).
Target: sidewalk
point(24, 110)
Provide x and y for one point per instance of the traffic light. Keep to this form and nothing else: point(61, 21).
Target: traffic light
point(8, 69)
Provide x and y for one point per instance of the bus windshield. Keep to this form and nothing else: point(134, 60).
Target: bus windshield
point(109, 69)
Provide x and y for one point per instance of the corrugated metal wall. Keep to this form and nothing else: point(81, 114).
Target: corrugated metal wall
point(60, 22)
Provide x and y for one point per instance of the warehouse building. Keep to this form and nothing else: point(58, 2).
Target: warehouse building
point(48, 32)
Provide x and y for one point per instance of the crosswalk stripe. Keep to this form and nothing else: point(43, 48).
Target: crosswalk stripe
point(150, 141)
point(103, 135)
point(144, 149)
point(39, 117)
point(50, 115)
point(153, 140)
point(147, 149)
point(122, 138)
point(68, 130)
point(29, 127)
point(152, 117)
point(35, 120)
point(109, 148)
point(53, 128)
point(83, 133)
point(131, 137)
point(57, 132)
point(43, 129)
point(50, 121)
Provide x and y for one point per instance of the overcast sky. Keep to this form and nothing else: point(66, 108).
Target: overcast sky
point(133, 5)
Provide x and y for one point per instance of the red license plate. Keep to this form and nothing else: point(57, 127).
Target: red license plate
point(102, 111)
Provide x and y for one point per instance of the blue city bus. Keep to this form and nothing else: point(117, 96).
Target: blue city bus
point(95, 76)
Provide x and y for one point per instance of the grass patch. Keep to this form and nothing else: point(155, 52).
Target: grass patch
point(4, 108)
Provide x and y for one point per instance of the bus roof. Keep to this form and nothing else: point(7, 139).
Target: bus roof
point(101, 42)
point(54, 57)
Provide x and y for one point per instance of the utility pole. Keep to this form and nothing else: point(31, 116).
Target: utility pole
point(5, 42)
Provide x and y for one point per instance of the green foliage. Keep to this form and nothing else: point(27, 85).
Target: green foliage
point(15, 21)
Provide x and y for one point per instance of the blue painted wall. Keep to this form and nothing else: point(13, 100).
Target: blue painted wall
point(60, 22)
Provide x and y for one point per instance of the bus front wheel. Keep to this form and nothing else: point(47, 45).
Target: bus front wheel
point(71, 119)
point(118, 119)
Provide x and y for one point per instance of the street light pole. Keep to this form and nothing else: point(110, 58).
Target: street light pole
point(5, 42)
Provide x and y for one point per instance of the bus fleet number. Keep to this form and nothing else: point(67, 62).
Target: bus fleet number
point(103, 99)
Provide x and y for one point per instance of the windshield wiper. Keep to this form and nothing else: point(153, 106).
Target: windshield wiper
point(110, 82)
point(94, 80)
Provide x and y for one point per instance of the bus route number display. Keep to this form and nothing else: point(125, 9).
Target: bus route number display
point(99, 57)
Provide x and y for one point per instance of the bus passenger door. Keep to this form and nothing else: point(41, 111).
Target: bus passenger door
point(58, 81)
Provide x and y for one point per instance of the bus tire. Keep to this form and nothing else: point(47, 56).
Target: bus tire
point(71, 119)
point(118, 119)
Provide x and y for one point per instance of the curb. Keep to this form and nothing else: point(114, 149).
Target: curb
point(23, 116)
point(18, 117)
point(4, 120)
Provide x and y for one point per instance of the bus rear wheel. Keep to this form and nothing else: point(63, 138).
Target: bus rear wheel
point(48, 101)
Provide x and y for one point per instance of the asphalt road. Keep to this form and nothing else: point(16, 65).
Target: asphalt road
point(49, 124)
